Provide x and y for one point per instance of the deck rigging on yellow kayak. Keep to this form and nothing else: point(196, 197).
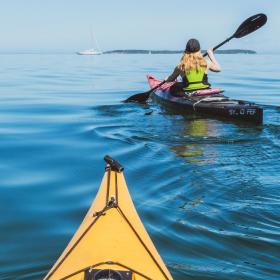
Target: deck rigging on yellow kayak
point(111, 243)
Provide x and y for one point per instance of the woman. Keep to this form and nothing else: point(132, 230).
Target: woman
point(193, 69)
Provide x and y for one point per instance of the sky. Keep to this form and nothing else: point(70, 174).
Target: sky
point(68, 25)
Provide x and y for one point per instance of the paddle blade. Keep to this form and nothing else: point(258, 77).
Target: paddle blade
point(250, 25)
point(139, 97)
point(144, 96)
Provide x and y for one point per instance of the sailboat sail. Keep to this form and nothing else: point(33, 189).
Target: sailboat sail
point(92, 51)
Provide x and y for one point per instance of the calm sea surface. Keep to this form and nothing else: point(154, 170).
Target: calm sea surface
point(208, 191)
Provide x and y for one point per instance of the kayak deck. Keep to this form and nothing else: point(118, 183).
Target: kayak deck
point(216, 105)
point(111, 243)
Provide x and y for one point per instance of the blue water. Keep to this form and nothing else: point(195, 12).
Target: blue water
point(207, 190)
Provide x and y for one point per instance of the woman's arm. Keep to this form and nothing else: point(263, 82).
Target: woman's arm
point(174, 75)
point(213, 64)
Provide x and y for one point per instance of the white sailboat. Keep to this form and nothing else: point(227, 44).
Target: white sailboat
point(92, 51)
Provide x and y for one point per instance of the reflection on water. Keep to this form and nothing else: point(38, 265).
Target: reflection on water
point(195, 153)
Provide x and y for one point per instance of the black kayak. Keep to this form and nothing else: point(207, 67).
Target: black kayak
point(216, 105)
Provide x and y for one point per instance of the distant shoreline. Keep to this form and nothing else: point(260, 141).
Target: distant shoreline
point(231, 51)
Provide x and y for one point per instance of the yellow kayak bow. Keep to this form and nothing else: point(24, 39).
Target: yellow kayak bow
point(111, 243)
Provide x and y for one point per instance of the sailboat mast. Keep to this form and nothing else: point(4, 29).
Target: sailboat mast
point(94, 41)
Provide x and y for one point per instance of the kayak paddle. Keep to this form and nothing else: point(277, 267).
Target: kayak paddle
point(250, 25)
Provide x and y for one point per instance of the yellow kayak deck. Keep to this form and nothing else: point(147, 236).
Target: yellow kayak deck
point(111, 243)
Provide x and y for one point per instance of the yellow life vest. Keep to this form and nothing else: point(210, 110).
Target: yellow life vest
point(196, 80)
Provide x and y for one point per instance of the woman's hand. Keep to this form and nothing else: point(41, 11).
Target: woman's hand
point(210, 52)
point(214, 64)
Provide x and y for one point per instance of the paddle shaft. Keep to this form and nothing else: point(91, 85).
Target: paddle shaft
point(221, 44)
point(156, 87)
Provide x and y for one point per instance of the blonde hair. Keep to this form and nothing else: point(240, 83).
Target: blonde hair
point(192, 61)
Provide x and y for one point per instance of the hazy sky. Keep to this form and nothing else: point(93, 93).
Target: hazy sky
point(143, 24)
